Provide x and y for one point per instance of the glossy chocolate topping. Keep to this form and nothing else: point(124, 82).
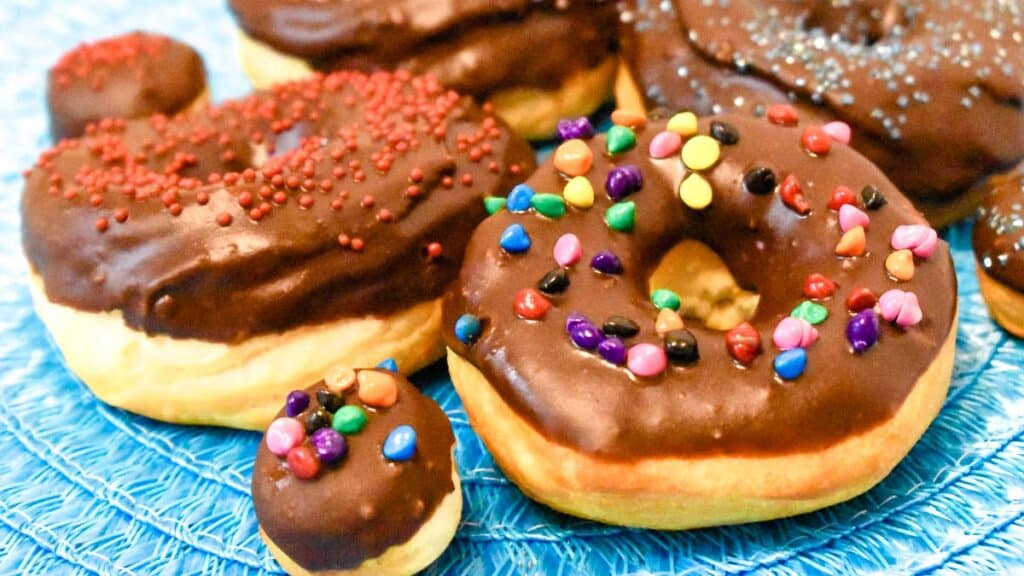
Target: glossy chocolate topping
point(712, 406)
point(933, 89)
point(372, 187)
point(357, 507)
point(999, 230)
point(134, 75)
point(473, 46)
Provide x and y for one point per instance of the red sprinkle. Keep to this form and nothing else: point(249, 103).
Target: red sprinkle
point(861, 299)
point(224, 219)
point(816, 141)
point(819, 287)
point(121, 214)
point(783, 114)
point(530, 304)
point(793, 195)
point(842, 195)
point(102, 224)
point(357, 244)
point(743, 343)
point(303, 463)
point(434, 251)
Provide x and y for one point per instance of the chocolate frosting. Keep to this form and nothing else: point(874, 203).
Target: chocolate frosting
point(712, 406)
point(357, 508)
point(933, 89)
point(999, 231)
point(135, 75)
point(364, 174)
point(473, 46)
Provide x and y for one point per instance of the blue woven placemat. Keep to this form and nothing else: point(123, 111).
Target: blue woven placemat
point(85, 488)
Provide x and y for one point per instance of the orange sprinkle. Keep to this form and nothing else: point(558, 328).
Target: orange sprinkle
point(377, 389)
point(853, 242)
point(573, 157)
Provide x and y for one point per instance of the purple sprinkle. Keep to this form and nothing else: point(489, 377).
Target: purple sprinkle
point(575, 319)
point(297, 402)
point(329, 445)
point(578, 128)
point(613, 350)
point(585, 335)
point(863, 329)
point(623, 181)
point(606, 262)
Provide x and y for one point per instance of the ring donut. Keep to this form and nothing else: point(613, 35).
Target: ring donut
point(999, 249)
point(237, 254)
point(932, 88)
point(132, 76)
point(724, 320)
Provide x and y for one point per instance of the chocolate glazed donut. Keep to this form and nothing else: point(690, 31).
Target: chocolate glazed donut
point(999, 248)
point(317, 222)
point(600, 401)
point(933, 89)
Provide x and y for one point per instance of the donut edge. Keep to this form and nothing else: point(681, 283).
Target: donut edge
point(1005, 304)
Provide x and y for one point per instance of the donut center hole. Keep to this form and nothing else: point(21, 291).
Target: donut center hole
point(705, 285)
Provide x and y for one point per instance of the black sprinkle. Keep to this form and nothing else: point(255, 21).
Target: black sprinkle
point(554, 282)
point(724, 133)
point(872, 198)
point(759, 180)
point(329, 400)
point(620, 326)
point(318, 419)
point(681, 346)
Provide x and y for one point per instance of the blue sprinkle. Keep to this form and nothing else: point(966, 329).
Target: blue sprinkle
point(791, 364)
point(515, 240)
point(519, 198)
point(400, 444)
point(389, 364)
point(467, 328)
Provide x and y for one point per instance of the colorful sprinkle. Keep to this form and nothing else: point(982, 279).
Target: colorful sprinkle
point(388, 364)
point(683, 123)
point(377, 389)
point(620, 326)
point(514, 239)
point(549, 205)
point(494, 204)
point(283, 435)
point(760, 180)
point(519, 198)
point(646, 360)
point(819, 287)
point(349, 420)
point(863, 330)
point(573, 158)
point(920, 239)
point(726, 134)
point(900, 265)
point(900, 307)
point(792, 195)
point(667, 321)
point(329, 400)
point(554, 282)
point(790, 365)
point(585, 335)
point(317, 419)
point(861, 299)
point(623, 181)
point(303, 463)
point(811, 312)
point(853, 243)
point(613, 350)
point(340, 379)
point(701, 152)
point(816, 141)
point(468, 328)
point(664, 298)
point(782, 114)
point(530, 304)
point(606, 262)
point(841, 196)
point(628, 118)
point(794, 333)
point(665, 144)
point(578, 192)
point(850, 217)
point(872, 198)
point(567, 250)
point(681, 346)
point(621, 216)
point(838, 131)
point(743, 343)
point(400, 445)
point(296, 403)
point(329, 445)
point(695, 192)
point(573, 319)
point(620, 139)
point(569, 128)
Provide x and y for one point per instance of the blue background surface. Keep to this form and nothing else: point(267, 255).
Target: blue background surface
point(85, 488)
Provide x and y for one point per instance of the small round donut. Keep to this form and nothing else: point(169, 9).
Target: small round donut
point(133, 76)
point(999, 249)
point(537, 61)
point(696, 323)
point(236, 254)
point(357, 476)
point(932, 88)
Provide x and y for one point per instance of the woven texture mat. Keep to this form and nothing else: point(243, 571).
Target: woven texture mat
point(85, 488)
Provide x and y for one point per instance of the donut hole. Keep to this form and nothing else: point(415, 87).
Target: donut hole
point(863, 22)
point(705, 285)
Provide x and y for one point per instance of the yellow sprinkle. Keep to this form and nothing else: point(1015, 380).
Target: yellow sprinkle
point(700, 152)
point(684, 124)
point(579, 193)
point(695, 192)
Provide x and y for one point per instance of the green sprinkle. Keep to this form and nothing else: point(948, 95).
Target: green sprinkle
point(349, 420)
point(620, 139)
point(621, 216)
point(550, 205)
point(662, 298)
point(812, 312)
point(493, 204)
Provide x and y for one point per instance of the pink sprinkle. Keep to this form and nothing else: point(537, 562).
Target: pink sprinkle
point(665, 144)
point(920, 239)
point(646, 360)
point(838, 131)
point(900, 307)
point(283, 435)
point(568, 250)
point(794, 333)
point(850, 217)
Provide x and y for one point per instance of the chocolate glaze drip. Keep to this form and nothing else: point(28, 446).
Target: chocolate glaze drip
point(474, 46)
point(710, 407)
point(134, 75)
point(360, 506)
point(364, 173)
point(933, 89)
point(999, 231)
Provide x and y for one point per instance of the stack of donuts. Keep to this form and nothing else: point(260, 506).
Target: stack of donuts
point(729, 305)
